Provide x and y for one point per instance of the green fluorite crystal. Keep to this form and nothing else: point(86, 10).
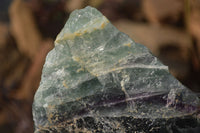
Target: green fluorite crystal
point(97, 79)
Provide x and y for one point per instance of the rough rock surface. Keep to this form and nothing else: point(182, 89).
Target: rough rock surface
point(97, 79)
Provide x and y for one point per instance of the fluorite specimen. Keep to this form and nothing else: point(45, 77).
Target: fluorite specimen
point(97, 79)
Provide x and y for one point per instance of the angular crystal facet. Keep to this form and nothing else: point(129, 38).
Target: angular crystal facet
point(97, 79)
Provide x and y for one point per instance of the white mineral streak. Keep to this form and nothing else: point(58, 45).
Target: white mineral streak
point(130, 103)
point(99, 73)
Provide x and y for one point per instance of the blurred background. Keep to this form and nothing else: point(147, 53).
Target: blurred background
point(169, 28)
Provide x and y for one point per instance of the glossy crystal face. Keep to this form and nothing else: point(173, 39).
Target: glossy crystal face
point(99, 75)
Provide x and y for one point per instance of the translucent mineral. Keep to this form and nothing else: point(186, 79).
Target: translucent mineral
point(97, 79)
